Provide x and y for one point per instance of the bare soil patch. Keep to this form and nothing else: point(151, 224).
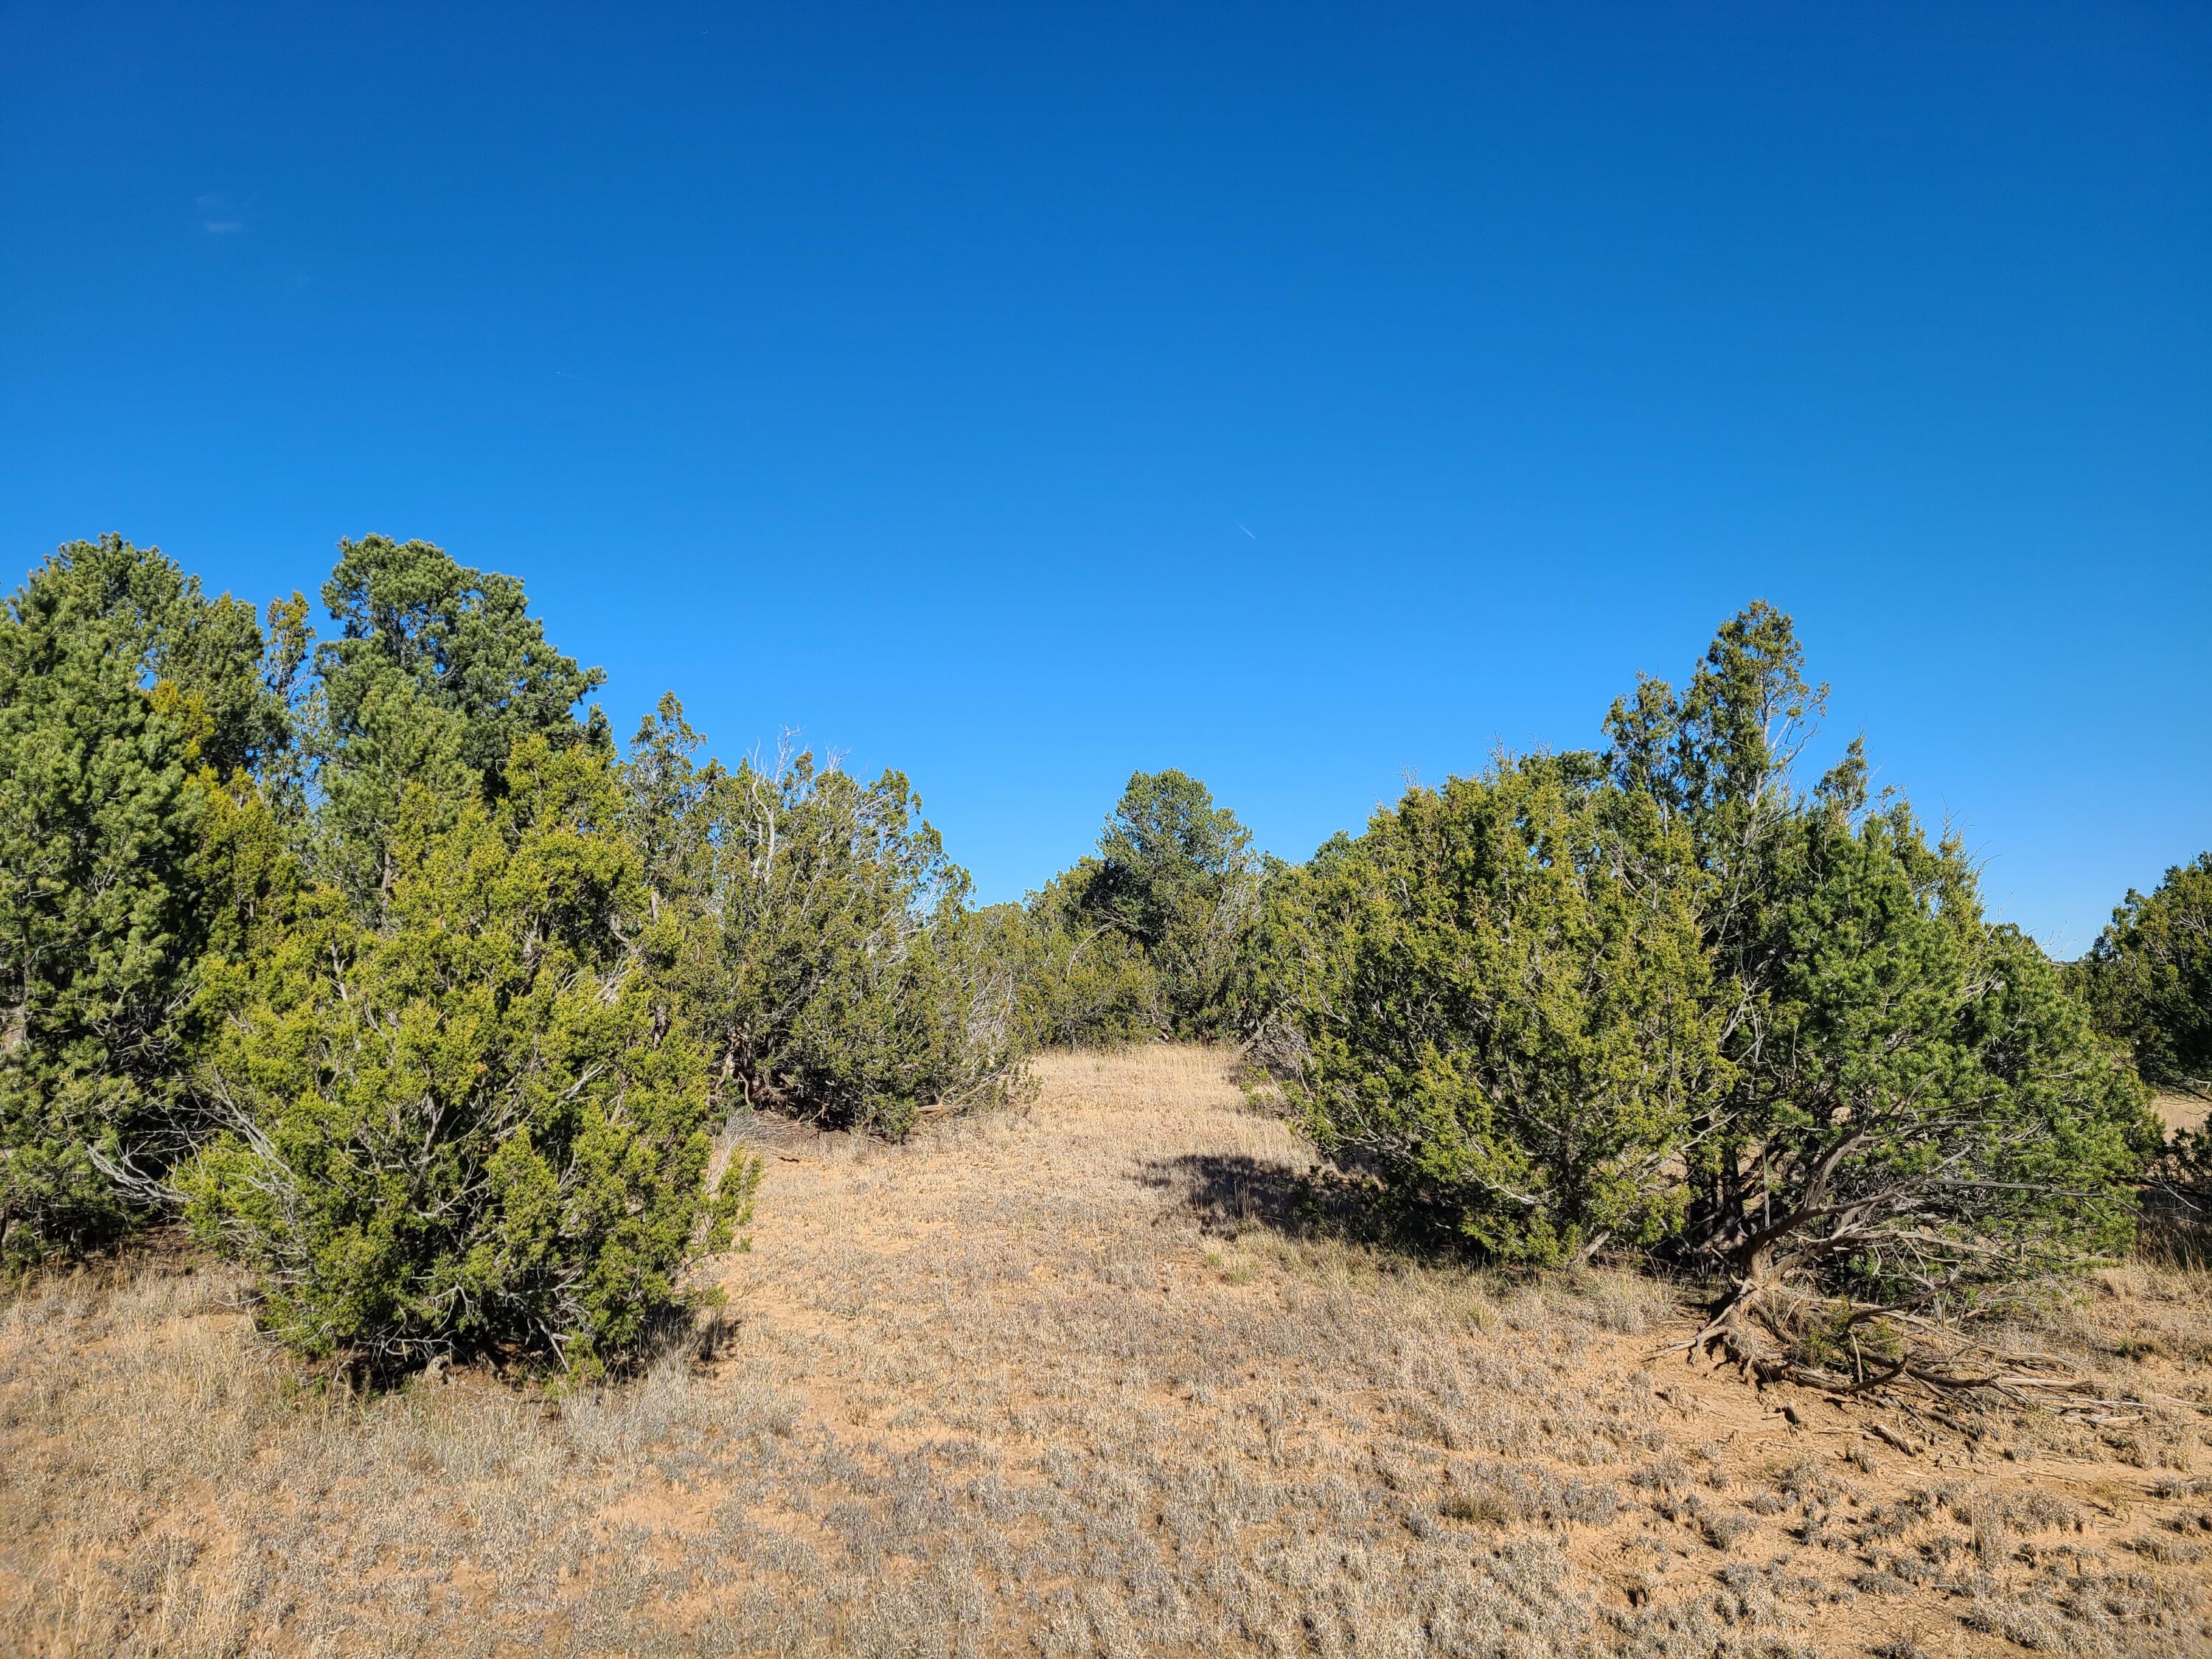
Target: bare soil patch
point(1089, 1379)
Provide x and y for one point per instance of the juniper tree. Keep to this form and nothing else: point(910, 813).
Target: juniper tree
point(1505, 1008)
point(437, 670)
point(1081, 981)
point(1694, 1005)
point(832, 966)
point(1927, 1119)
point(471, 1116)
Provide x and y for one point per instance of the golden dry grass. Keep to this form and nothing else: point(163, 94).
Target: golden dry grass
point(2181, 1111)
point(1084, 1380)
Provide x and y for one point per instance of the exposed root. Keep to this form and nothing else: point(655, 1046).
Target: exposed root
point(1760, 1328)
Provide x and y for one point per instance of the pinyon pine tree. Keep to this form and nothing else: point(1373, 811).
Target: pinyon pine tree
point(1144, 938)
point(1918, 1118)
point(128, 702)
point(2150, 978)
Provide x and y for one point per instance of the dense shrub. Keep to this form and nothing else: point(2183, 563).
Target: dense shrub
point(1918, 1114)
point(831, 964)
point(422, 1003)
point(1078, 981)
point(1177, 877)
point(1673, 998)
point(1505, 1008)
point(2149, 977)
point(404, 990)
point(1146, 938)
point(127, 699)
point(469, 1118)
point(1923, 1114)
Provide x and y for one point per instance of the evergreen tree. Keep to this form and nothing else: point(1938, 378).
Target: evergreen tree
point(1175, 875)
point(436, 673)
point(1671, 998)
point(2150, 978)
point(1916, 1117)
point(129, 701)
point(1504, 1009)
point(473, 1117)
point(833, 968)
point(1081, 980)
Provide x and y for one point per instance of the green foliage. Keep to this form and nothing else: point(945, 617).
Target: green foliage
point(1671, 998)
point(1917, 1109)
point(1176, 874)
point(425, 1006)
point(438, 670)
point(1924, 1112)
point(126, 698)
point(1080, 981)
point(1144, 939)
point(1505, 1009)
point(427, 1014)
point(833, 968)
point(1167, 852)
point(2150, 978)
point(469, 1118)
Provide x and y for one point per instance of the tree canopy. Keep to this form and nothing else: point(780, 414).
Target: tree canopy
point(436, 673)
point(370, 959)
point(472, 1118)
point(128, 698)
point(2149, 977)
point(1670, 997)
point(1176, 879)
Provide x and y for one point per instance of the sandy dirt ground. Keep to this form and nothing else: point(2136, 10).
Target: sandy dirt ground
point(1092, 1377)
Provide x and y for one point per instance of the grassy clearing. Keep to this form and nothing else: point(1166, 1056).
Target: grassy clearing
point(1083, 1380)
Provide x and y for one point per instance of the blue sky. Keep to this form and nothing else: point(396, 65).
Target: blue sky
point(1303, 396)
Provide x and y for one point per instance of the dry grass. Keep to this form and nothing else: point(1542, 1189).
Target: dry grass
point(2181, 1111)
point(1083, 1380)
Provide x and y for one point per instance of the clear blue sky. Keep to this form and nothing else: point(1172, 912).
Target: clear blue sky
point(1299, 395)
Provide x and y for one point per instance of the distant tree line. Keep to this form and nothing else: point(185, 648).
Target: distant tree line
point(392, 976)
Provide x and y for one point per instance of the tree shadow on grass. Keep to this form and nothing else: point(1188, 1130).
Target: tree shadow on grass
point(1232, 1195)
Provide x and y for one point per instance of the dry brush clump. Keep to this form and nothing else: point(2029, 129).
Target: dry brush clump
point(1080, 1379)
